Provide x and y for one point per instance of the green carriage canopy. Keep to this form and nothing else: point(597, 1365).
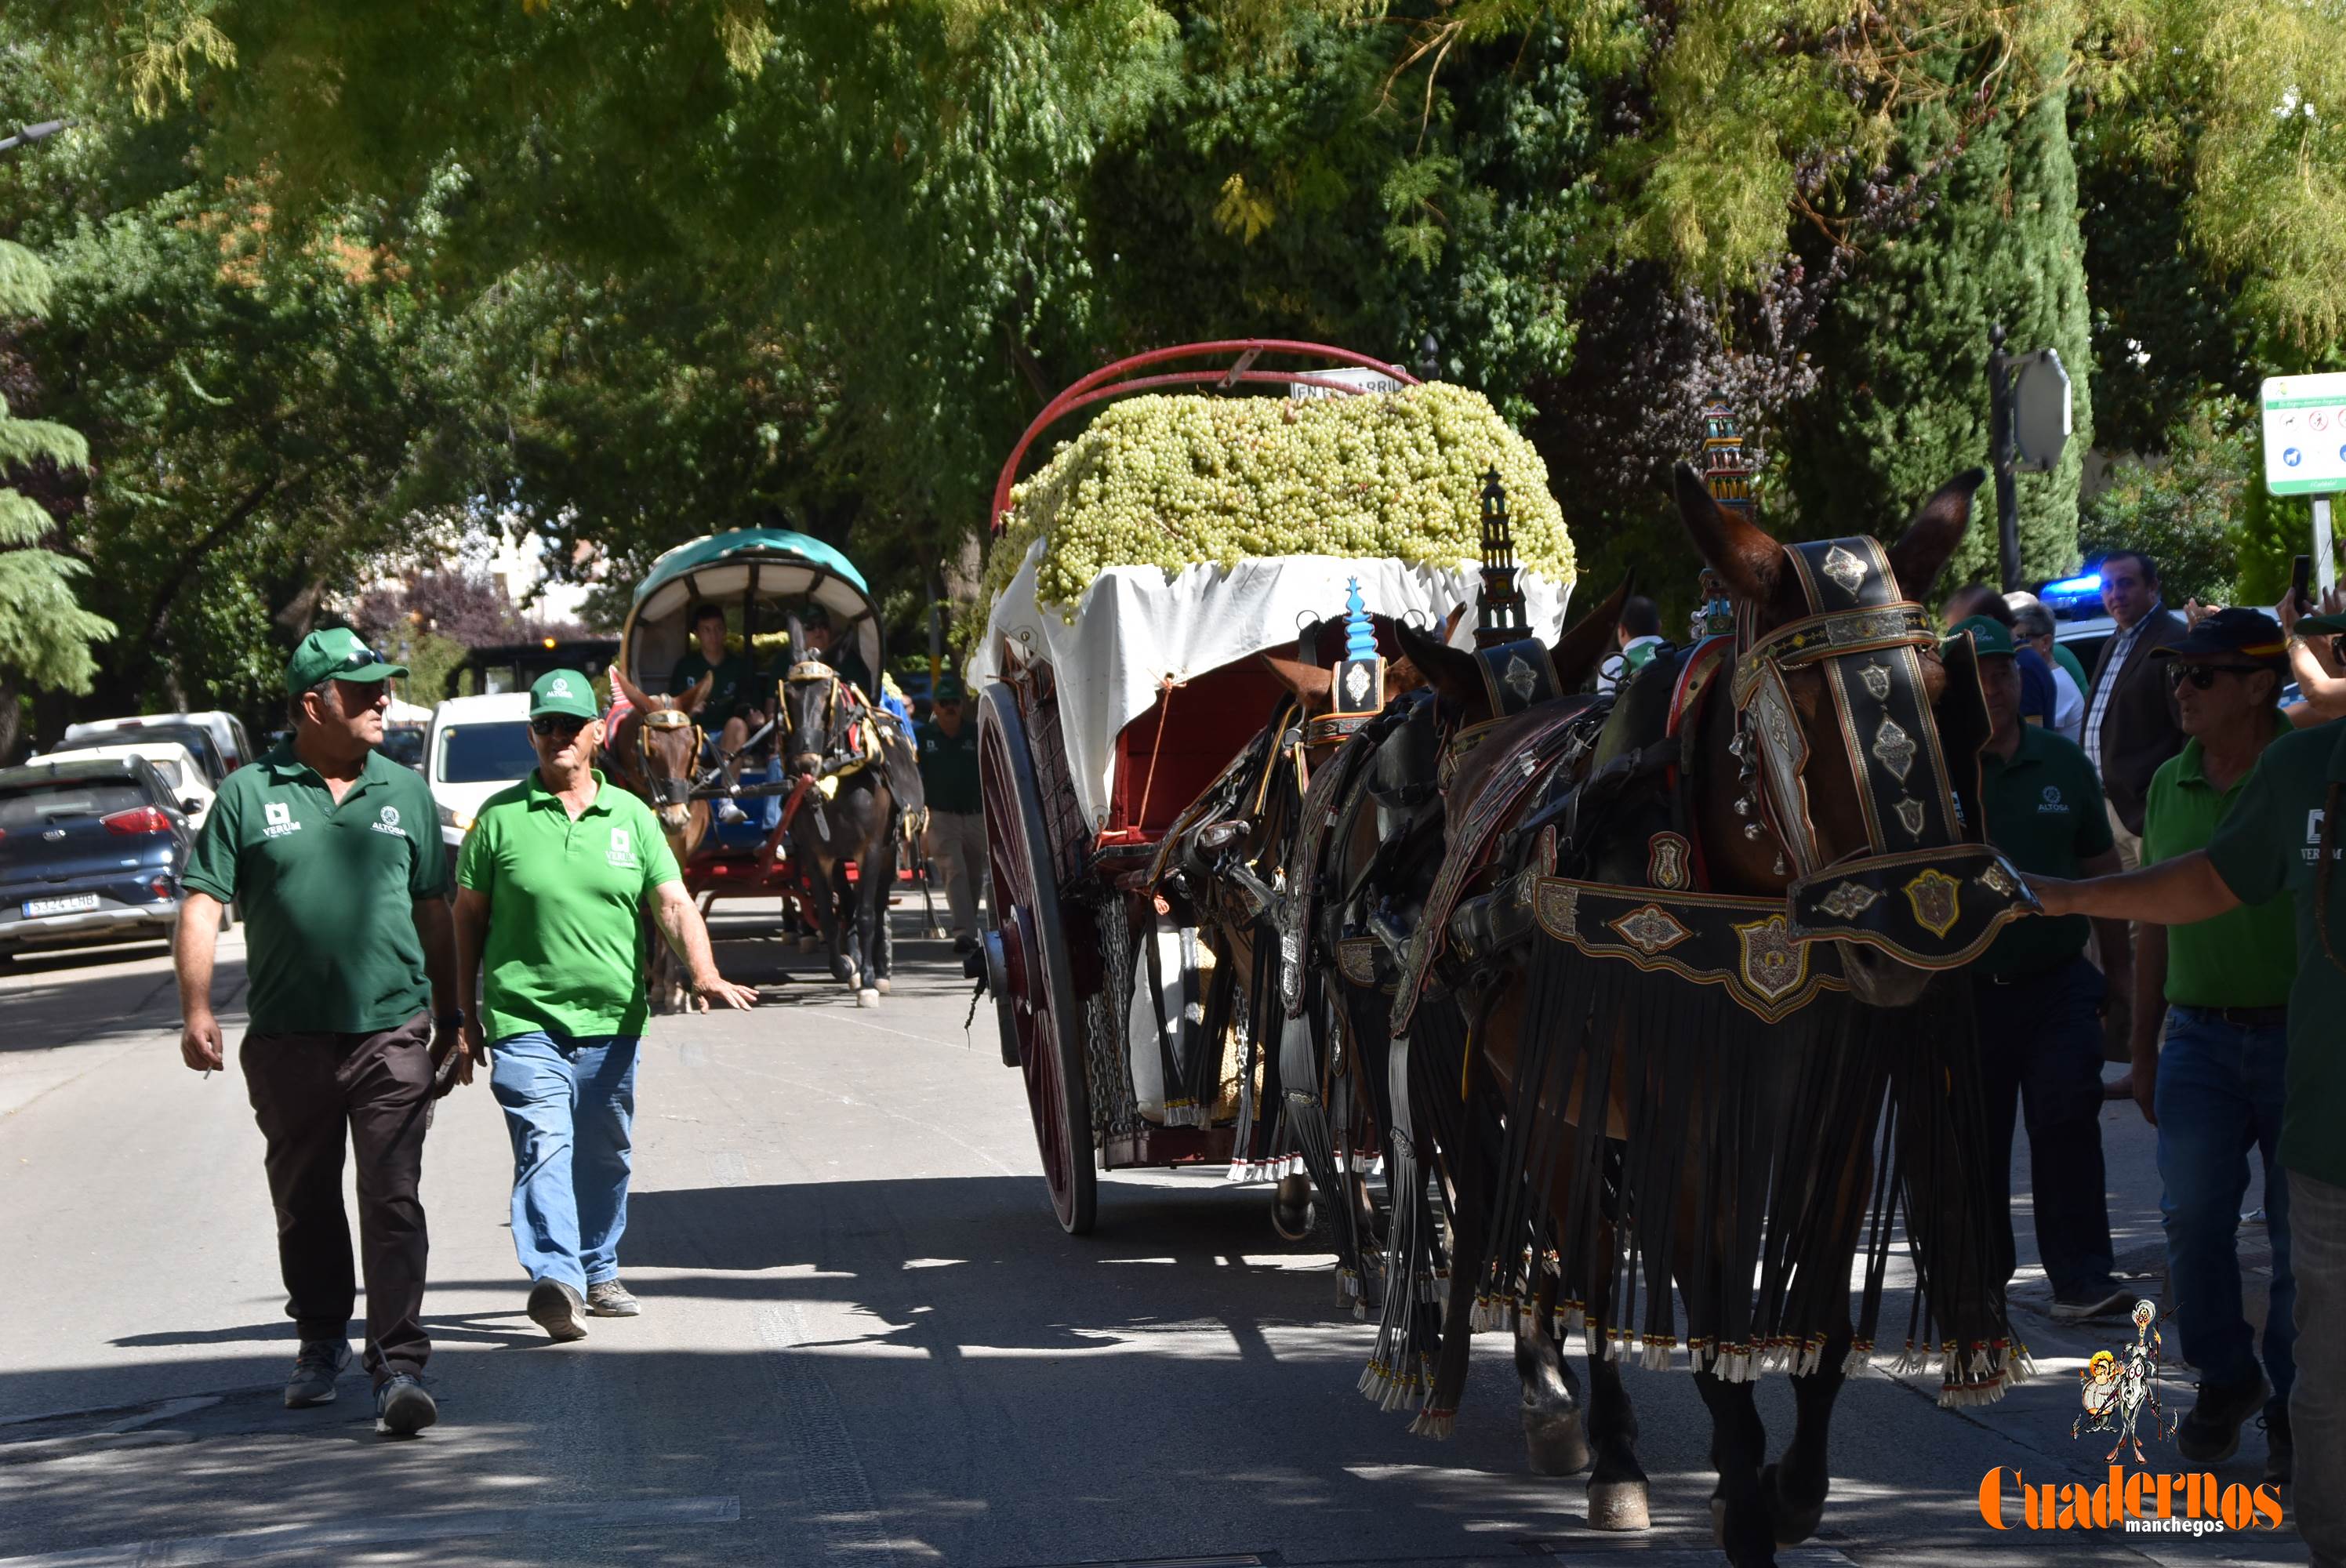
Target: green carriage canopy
point(757, 574)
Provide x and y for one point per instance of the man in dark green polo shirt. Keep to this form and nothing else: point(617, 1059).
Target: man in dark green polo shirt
point(551, 887)
point(736, 700)
point(948, 748)
point(333, 850)
point(2040, 1004)
point(2215, 1089)
point(2284, 835)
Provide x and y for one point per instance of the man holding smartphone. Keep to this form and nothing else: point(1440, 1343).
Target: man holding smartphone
point(334, 851)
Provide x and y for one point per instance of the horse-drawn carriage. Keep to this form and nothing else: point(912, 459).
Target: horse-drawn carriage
point(1111, 719)
point(766, 581)
point(1662, 986)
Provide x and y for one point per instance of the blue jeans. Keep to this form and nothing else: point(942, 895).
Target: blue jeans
point(2040, 1040)
point(568, 1106)
point(2220, 1096)
point(2317, 1406)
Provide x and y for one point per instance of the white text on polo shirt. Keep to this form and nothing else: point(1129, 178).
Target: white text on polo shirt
point(387, 821)
point(279, 820)
point(622, 851)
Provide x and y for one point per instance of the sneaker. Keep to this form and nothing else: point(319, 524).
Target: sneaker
point(401, 1408)
point(555, 1308)
point(315, 1371)
point(2210, 1432)
point(2112, 1302)
point(729, 812)
point(611, 1299)
point(2281, 1448)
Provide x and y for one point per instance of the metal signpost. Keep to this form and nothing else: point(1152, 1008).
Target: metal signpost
point(2029, 423)
point(2305, 453)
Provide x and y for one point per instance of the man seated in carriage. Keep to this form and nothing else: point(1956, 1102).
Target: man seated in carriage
point(824, 645)
point(731, 706)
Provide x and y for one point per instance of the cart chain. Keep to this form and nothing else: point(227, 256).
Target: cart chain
point(1107, 1057)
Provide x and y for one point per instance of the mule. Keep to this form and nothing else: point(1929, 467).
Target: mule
point(1737, 1144)
point(830, 736)
point(653, 750)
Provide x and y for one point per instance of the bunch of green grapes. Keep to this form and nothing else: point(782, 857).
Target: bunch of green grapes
point(1171, 482)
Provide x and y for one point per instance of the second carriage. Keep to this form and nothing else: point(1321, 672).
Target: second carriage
point(1124, 706)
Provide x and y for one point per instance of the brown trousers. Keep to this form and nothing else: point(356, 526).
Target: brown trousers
point(307, 1090)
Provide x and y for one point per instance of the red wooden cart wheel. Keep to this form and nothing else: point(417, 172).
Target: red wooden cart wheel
point(1036, 1002)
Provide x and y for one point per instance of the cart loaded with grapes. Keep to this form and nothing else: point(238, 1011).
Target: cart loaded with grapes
point(1192, 603)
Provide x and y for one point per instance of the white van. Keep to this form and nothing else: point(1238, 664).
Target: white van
point(478, 745)
point(227, 732)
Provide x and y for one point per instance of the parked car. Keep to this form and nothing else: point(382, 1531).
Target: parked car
point(478, 745)
point(91, 850)
point(231, 746)
point(181, 774)
point(2085, 639)
point(403, 744)
point(106, 732)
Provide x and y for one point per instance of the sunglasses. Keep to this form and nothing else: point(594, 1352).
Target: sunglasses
point(548, 725)
point(2203, 676)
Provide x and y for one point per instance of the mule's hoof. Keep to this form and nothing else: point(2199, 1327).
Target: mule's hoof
point(1792, 1523)
point(1293, 1224)
point(867, 999)
point(1621, 1505)
point(1556, 1444)
point(881, 985)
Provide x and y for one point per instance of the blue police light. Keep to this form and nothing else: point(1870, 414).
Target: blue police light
point(2071, 587)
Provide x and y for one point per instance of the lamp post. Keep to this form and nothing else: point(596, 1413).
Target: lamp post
point(27, 134)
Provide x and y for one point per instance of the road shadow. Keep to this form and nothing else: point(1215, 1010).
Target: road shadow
point(52, 960)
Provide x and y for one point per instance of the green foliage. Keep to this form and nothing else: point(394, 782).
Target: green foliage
point(1907, 407)
point(46, 634)
point(2189, 511)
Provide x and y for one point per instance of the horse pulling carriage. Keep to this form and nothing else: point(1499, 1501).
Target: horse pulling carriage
point(823, 778)
point(1661, 989)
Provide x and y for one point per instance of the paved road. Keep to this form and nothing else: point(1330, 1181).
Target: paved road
point(864, 1339)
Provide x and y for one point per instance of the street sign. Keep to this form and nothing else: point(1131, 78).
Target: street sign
point(1357, 376)
point(2305, 434)
point(2041, 409)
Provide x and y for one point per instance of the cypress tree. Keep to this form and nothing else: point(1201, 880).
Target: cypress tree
point(1904, 403)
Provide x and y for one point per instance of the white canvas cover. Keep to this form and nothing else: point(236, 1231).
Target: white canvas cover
point(1133, 628)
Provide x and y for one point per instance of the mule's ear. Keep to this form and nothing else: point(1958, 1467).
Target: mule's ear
point(798, 637)
point(1453, 674)
point(1750, 562)
point(694, 701)
point(1576, 653)
point(1450, 626)
point(1923, 550)
point(631, 691)
point(1313, 686)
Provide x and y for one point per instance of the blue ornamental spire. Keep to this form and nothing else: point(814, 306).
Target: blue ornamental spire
point(1360, 636)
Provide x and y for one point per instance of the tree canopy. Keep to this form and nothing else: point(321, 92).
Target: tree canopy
point(335, 282)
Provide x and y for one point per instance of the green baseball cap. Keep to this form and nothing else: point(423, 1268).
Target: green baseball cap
point(564, 691)
point(338, 653)
point(2333, 625)
point(948, 689)
point(1988, 638)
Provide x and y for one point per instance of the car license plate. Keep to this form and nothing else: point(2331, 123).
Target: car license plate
point(72, 903)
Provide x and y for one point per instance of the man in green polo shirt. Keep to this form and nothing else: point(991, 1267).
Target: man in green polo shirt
point(334, 851)
point(2040, 1005)
point(551, 887)
point(948, 748)
point(2215, 1089)
point(2284, 835)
